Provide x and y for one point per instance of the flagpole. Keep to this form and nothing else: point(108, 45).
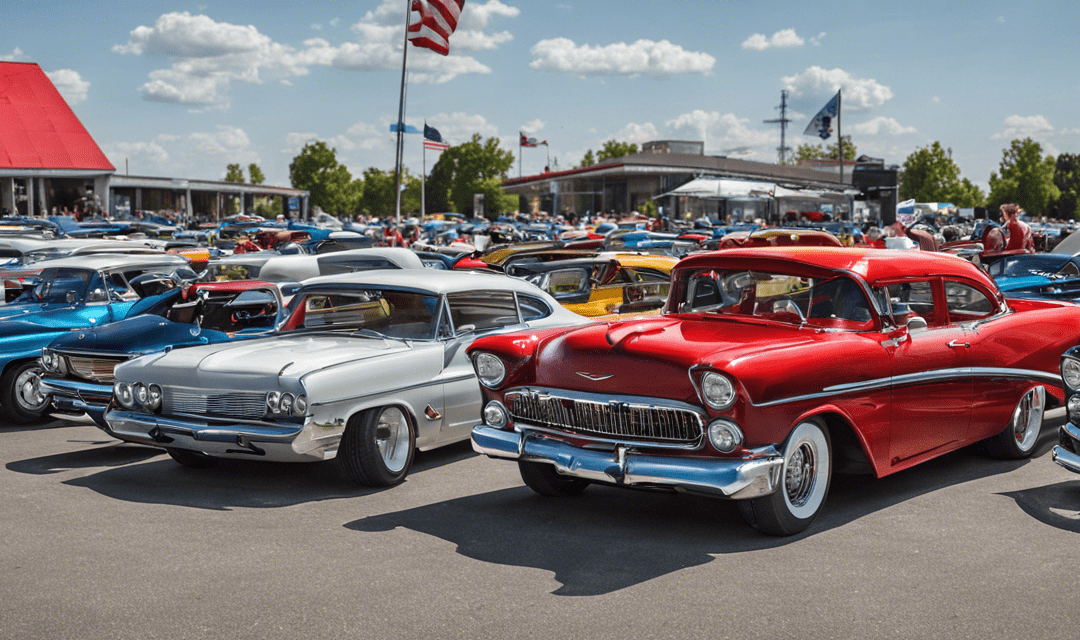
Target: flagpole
point(423, 176)
point(840, 132)
point(399, 149)
point(519, 154)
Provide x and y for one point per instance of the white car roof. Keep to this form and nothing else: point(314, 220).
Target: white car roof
point(302, 267)
point(110, 262)
point(433, 281)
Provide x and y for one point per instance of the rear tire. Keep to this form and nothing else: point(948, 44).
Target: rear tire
point(545, 480)
point(1018, 439)
point(22, 401)
point(804, 484)
point(191, 459)
point(377, 447)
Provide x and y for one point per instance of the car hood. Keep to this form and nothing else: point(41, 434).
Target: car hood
point(138, 335)
point(653, 357)
point(263, 358)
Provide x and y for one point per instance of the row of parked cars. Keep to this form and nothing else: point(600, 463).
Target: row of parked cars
point(769, 370)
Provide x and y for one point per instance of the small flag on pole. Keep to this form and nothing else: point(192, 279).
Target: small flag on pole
point(433, 139)
point(404, 129)
point(438, 20)
point(526, 141)
point(821, 124)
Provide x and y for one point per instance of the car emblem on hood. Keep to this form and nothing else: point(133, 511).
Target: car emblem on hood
point(595, 377)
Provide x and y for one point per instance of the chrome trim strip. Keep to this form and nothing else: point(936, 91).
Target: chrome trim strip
point(430, 383)
point(1067, 459)
point(526, 427)
point(604, 398)
point(919, 378)
point(123, 421)
point(1072, 430)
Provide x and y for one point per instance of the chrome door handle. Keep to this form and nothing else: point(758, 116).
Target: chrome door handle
point(957, 343)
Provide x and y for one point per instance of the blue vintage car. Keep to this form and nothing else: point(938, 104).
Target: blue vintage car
point(1051, 276)
point(68, 294)
point(78, 366)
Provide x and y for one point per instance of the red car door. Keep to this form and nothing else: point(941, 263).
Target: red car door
point(931, 381)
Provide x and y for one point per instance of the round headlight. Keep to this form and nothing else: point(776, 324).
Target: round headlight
point(495, 415)
point(299, 407)
point(725, 435)
point(153, 397)
point(140, 392)
point(1070, 372)
point(489, 369)
point(286, 402)
point(122, 391)
point(273, 401)
point(1074, 409)
point(717, 391)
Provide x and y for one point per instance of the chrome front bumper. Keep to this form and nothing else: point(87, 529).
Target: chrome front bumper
point(1064, 457)
point(72, 396)
point(757, 474)
point(280, 443)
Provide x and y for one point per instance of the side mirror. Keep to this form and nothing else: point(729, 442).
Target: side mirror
point(70, 297)
point(466, 328)
point(97, 295)
point(915, 323)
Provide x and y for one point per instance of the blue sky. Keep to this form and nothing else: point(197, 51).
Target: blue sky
point(182, 89)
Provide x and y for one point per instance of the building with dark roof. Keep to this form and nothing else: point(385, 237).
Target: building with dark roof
point(49, 161)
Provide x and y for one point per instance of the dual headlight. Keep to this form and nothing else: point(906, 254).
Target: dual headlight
point(490, 370)
point(52, 362)
point(137, 395)
point(717, 391)
point(1070, 373)
point(286, 404)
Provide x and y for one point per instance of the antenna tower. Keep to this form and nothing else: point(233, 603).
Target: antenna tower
point(783, 149)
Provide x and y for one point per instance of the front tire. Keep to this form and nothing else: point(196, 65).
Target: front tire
point(191, 459)
point(377, 447)
point(22, 400)
point(545, 480)
point(804, 483)
point(1018, 439)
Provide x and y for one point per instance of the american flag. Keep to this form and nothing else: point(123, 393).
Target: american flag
point(526, 141)
point(438, 19)
point(433, 139)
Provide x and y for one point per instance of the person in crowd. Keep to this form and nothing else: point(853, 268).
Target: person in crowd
point(1020, 238)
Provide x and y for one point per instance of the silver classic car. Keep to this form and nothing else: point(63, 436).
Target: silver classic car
point(368, 368)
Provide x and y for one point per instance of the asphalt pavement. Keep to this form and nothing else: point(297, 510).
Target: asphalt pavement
point(109, 540)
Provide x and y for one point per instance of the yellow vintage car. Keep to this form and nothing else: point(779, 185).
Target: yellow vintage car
point(609, 286)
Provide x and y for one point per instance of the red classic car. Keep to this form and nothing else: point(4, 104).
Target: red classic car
point(770, 370)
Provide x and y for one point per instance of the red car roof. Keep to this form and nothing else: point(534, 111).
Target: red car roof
point(228, 285)
point(872, 264)
point(38, 130)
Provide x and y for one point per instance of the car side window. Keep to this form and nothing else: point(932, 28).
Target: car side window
point(568, 282)
point(910, 299)
point(482, 310)
point(966, 303)
point(532, 308)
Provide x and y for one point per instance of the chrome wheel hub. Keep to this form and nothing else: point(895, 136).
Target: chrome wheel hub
point(27, 391)
point(799, 475)
point(392, 438)
point(1027, 418)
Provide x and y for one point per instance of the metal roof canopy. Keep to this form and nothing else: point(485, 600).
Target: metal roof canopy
point(38, 130)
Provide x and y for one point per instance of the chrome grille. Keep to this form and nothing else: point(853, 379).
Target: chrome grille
point(246, 405)
point(608, 419)
point(96, 369)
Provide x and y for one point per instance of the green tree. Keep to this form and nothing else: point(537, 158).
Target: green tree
point(648, 208)
point(817, 152)
point(233, 173)
point(613, 149)
point(477, 166)
point(255, 174)
point(930, 175)
point(1067, 180)
point(377, 197)
point(588, 159)
point(316, 169)
point(1024, 177)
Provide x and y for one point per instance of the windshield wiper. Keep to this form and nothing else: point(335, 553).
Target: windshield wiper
point(371, 333)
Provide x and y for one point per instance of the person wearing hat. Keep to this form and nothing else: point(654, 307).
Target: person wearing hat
point(1020, 238)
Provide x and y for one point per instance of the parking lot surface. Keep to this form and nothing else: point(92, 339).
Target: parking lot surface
point(109, 540)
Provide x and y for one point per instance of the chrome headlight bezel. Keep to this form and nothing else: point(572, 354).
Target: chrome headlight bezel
point(273, 401)
point(154, 395)
point(724, 435)
point(490, 369)
point(300, 406)
point(496, 415)
point(123, 394)
point(717, 391)
point(1070, 373)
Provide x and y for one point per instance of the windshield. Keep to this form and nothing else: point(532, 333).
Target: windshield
point(833, 302)
point(65, 286)
point(394, 314)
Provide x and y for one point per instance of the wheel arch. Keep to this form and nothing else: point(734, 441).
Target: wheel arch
point(850, 451)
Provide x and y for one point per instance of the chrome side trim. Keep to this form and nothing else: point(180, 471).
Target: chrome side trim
point(526, 427)
point(431, 383)
point(1067, 459)
point(921, 378)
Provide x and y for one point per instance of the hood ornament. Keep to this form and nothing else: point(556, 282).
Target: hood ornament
point(595, 377)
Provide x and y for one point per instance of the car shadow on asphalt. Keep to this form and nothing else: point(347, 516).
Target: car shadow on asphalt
point(1057, 505)
point(609, 539)
point(135, 473)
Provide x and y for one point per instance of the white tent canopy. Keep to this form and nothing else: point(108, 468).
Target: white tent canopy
point(723, 188)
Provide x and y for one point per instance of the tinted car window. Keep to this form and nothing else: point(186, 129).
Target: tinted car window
point(391, 313)
point(482, 310)
point(909, 299)
point(532, 308)
point(966, 303)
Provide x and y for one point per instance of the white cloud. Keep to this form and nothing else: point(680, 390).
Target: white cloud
point(459, 127)
point(816, 40)
point(637, 133)
point(316, 27)
point(15, 54)
point(722, 131)
point(334, 22)
point(139, 156)
point(641, 57)
point(821, 84)
point(882, 126)
point(532, 126)
point(207, 56)
point(779, 40)
point(1024, 127)
point(70, 85)
point(1001, 19)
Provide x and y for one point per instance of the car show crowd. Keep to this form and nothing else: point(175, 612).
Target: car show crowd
point(637, 352)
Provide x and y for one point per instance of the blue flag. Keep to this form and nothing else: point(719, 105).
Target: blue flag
point(821, 124)
point(407, 129)
point(431, 133)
